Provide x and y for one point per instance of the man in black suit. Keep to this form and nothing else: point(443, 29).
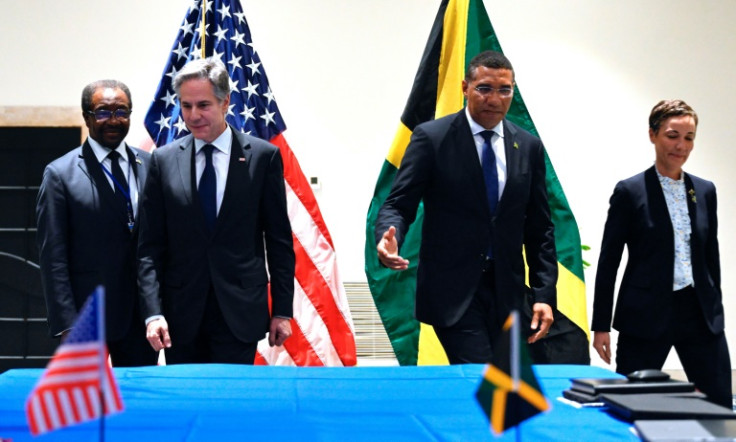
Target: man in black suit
point(670, 294)
point(482, 181)
point(213, 212)
point(86, 213)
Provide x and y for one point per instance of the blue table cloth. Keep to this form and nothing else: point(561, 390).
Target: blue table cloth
point(233, 402)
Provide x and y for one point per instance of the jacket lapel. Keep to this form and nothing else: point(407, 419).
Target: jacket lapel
point(692, 209)
point(513, 161)
point(466, 150)
point(237, 183)
point(93, 169)
point(659, 212)
point(187, 174)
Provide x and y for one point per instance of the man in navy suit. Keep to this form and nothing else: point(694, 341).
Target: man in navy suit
point(670, 294)
point(87, 211)
point(482, 181)
point(213, 212)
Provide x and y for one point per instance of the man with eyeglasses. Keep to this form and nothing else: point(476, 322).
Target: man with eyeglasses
point(86, 214)
point(482, 181)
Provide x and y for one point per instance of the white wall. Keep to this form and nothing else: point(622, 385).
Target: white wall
point(589, 70)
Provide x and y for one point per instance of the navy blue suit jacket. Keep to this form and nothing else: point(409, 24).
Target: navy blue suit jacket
point(441, 168)
point(84, 240)
point(179, 260)
point(638, 218)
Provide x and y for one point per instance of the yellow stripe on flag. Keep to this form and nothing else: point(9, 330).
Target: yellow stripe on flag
point(533, 396)
point(399, 145)
point(572, 304)
point(430, 349)
point(498, 411)
point(452, 59)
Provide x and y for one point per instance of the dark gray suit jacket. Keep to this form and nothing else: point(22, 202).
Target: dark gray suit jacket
point(84, 240)
point(638, 218)
point(179, 260)
point(442, 169)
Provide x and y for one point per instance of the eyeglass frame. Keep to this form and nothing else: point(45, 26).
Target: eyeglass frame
point(114, 114)
point(503, 92)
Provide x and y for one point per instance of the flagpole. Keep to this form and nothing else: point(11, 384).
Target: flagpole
point(202, 35)
point(100, 294)
point(515, 365)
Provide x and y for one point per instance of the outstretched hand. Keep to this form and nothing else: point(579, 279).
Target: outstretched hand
point(388, 251)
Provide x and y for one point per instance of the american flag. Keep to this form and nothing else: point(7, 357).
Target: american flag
point(323, 331)
point(77, 377)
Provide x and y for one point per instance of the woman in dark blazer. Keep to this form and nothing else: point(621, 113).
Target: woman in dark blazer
point(670, 294)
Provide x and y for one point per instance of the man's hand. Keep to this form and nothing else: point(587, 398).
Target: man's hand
point(541, 317)
point(157, 333)
point(279, 331)
point(388, 251)
point(602, 344)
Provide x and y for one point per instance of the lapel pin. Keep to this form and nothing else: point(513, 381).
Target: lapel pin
point(516, 145)
point(138, 160)
point(692, 195)
point(241, 159)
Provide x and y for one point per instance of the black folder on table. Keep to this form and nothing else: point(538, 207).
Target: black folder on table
point(686, 430)
point(595, 386)
point(664, 406)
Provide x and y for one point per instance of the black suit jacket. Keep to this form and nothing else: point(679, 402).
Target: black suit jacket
point(638, 218)
point(84, 240)
point(179, 260)
point(442, 168)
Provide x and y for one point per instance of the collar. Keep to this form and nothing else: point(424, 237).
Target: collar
point(101, 152)
point(222, 143)
point(476, 128)
point(668, 179)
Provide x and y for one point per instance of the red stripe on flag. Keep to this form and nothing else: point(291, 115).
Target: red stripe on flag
point(298, 182)
point(300, 349)
point(61, 416)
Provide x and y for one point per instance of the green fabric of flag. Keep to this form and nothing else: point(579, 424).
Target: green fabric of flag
point(460, 31)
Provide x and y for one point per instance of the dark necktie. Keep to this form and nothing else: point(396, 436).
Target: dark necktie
point(208, 189)
point(490, 174)
point(120, 183)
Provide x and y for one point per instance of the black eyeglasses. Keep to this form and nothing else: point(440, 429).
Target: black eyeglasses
point(104, 114)
point(504, 92)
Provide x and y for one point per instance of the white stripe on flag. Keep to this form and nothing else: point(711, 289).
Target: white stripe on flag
point(50, 406)
point(275, 355)
point(37, 412)
point(319, 250)
point(93, 396)
point(52, 379)
point(81, 404)
point(108, 389)
point(66, 406)
point(314, 329)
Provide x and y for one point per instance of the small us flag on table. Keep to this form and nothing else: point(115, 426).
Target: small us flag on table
point(78, 384)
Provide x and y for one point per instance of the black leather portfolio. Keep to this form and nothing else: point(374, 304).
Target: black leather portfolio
point(686, 430)
point(664, 406)
point(595, 386)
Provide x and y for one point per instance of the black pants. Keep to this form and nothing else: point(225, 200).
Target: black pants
point(213, 343)
point(470, 340)
point(133, 349)
point(704, 356)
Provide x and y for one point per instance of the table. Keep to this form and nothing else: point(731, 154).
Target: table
point(211, 402)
